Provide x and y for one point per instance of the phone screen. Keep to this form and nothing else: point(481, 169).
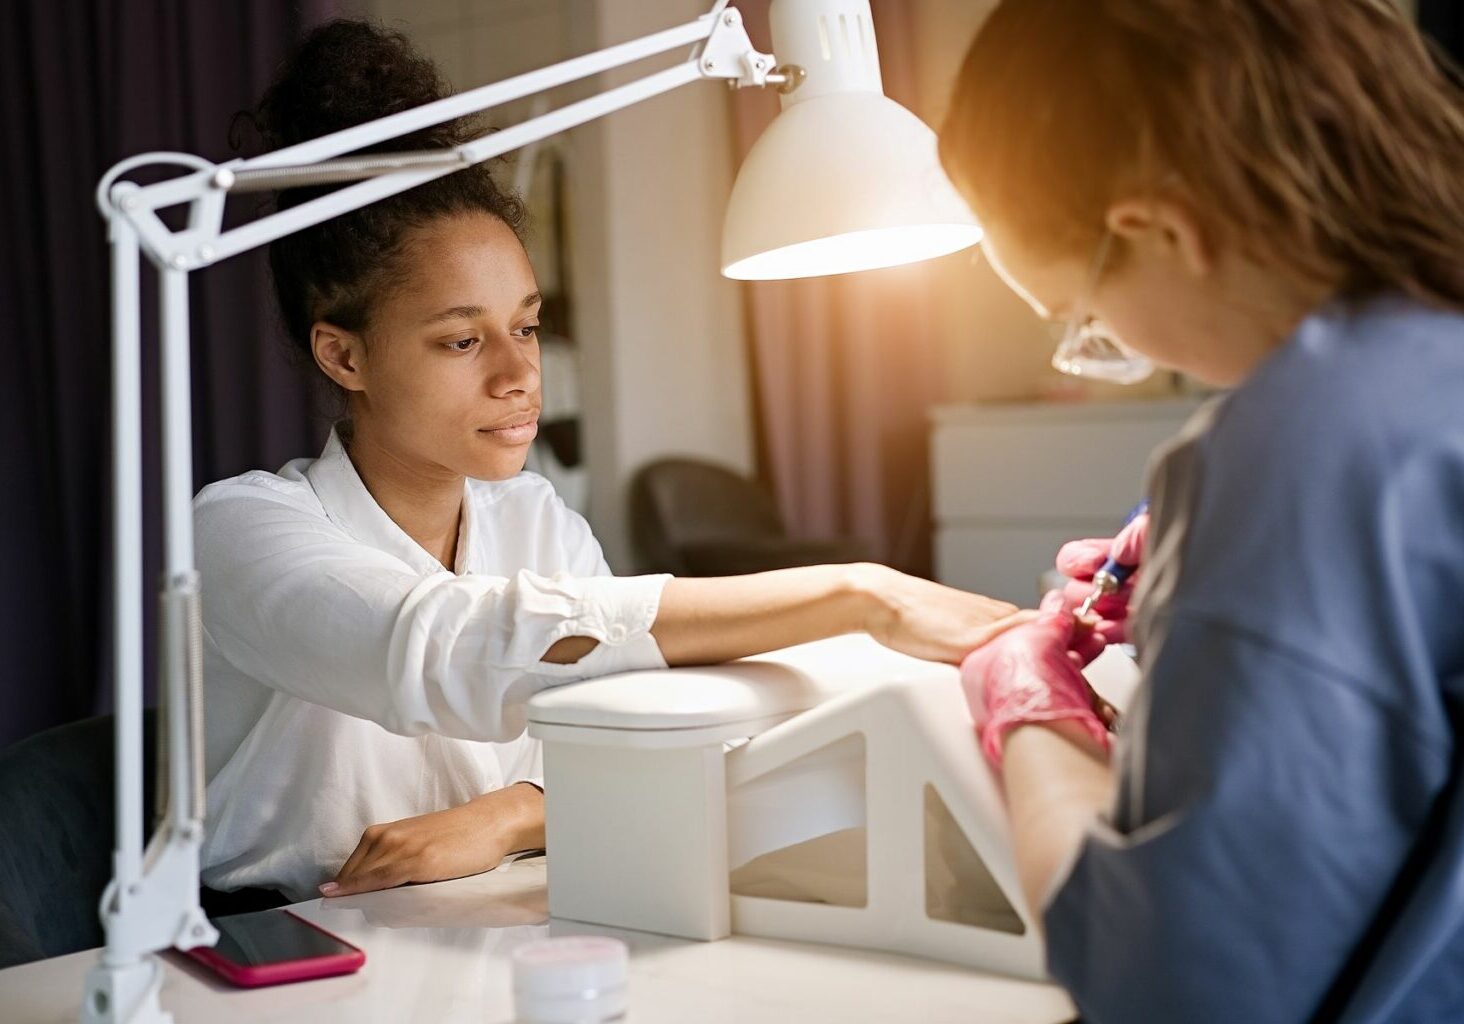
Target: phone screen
point(272, 936)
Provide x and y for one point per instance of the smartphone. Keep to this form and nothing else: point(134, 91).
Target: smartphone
point(271, 947)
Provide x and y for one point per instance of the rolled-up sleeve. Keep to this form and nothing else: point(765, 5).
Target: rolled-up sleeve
point(299, 605)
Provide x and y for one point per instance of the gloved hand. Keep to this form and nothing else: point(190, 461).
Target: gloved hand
point(1080, 559)
point(1033, 673)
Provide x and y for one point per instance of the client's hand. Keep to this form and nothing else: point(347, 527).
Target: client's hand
point(1034, 674)
point(1080, 559)
point(459, 841)
point(935, 622)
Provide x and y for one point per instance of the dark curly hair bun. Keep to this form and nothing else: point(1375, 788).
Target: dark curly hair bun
point(345, 73)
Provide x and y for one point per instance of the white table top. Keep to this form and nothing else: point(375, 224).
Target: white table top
point(440, 953)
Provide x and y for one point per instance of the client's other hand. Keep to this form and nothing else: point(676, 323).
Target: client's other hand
point(464, 840)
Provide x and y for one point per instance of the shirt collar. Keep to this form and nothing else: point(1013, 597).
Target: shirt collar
point(350, 506)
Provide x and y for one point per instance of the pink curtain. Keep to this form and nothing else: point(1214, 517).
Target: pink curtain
point(846, 367)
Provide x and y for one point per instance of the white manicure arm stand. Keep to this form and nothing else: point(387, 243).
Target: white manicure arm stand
point(648, 810)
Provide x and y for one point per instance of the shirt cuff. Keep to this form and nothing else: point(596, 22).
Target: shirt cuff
point(619, 612)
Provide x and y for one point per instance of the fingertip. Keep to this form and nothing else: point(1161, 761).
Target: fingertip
point(330, 888)
point(1054, 602)
point(1056, 618)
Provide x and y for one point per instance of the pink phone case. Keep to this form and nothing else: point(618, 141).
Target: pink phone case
point(255, 975)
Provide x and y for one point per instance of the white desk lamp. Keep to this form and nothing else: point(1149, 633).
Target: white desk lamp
point(843, 180)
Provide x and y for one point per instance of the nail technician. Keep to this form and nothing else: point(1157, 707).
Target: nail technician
point(376, 618)
point(1267, 195)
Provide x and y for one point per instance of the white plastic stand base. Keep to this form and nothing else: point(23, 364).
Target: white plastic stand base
point(636, 792)
point(128, 993)
point(639, 837)
point(648, 812)
point(908, 738)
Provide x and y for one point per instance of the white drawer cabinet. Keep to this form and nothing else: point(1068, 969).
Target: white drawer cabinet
point(1011, 483)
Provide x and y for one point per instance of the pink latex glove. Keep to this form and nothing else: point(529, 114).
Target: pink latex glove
point(1080, 559)
point(1033, 673)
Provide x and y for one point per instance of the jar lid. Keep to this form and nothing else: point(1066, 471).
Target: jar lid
point(571, 979)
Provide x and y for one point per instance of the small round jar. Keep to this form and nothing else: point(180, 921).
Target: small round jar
point(573, 980)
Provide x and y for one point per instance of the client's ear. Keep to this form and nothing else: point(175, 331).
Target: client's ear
point(340, 354)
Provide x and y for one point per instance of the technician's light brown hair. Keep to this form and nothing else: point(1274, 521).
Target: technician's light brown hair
point(1320, 137)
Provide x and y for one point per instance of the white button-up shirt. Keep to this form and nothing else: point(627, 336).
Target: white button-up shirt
point(350, 679)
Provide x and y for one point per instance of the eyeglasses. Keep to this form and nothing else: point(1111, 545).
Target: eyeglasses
point(1089, 348)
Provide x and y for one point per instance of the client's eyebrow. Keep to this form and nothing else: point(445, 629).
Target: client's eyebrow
point(455, 313)
point(469, 312)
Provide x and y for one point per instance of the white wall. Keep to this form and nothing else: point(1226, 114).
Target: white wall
point(665, 363)
point(661, 332)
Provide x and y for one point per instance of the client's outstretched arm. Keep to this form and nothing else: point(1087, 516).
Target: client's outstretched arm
point(705, 621)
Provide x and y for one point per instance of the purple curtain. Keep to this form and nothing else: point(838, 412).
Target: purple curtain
point(83, 85)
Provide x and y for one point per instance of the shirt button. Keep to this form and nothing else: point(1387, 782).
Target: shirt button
point(616, 634)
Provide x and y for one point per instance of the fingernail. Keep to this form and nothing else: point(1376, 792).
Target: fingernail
point(328, 888)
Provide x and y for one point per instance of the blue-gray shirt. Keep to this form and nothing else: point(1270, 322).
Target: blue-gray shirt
point(1288, 838)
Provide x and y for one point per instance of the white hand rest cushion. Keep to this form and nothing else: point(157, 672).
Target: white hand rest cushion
point(777, 684)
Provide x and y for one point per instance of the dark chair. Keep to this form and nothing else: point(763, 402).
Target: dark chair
point(56, 835)
point(694, 518)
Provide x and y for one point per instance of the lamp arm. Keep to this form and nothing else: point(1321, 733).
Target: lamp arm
point(151, 903)
point(723, 51)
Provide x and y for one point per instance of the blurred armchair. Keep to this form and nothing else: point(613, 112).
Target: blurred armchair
point(694, 518)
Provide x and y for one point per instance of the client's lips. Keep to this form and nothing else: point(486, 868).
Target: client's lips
point(518, 430)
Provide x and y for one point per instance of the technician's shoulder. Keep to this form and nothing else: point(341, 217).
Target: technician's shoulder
point(1308, 457)
point(1355, 392)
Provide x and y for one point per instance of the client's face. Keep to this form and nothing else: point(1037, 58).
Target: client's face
point(451, 373)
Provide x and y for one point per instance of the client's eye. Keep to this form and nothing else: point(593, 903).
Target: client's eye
point(462, 344)
point(528, 331)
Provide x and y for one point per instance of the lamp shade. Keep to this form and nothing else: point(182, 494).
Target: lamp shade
point(844, 178)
